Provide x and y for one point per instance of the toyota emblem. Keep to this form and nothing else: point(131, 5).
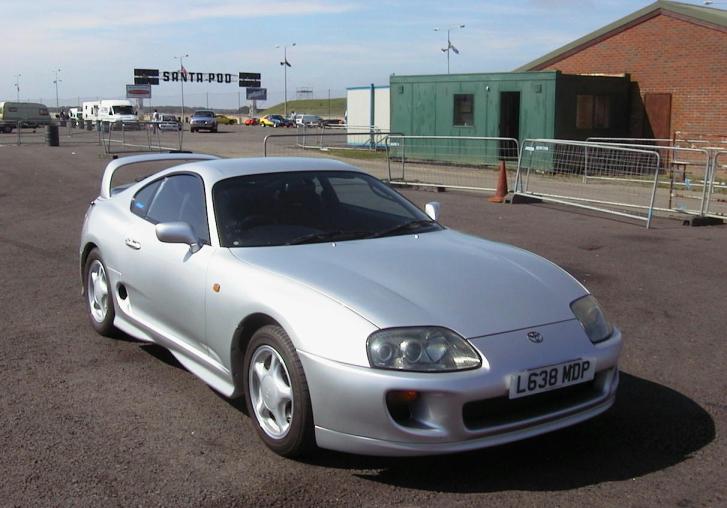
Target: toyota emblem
point(535, 337)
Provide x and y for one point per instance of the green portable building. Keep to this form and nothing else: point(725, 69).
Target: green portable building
point(516, 105)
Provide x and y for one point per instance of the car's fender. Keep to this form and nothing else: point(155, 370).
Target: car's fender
point(313, 321)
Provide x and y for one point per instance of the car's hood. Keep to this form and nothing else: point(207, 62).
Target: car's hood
point(472, 286)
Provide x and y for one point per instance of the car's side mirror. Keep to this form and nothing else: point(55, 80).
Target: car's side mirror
point(432, 209)
point(178, 232)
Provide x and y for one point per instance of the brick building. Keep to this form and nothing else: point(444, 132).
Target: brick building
point(676, 56)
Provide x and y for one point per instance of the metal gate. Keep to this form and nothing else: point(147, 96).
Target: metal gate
point(363, 149)
point(449, 161)
point(134, 137)
point(716, 200)
point(612, 179)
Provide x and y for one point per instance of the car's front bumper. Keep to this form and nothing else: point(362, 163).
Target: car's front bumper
point(351, 413)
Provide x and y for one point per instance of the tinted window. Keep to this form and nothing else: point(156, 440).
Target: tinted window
point(204, 113)
point(142, 200)
point(181, 198)
point(310, 206)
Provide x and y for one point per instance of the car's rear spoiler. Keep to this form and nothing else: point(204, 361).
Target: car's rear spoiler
point(117, 164)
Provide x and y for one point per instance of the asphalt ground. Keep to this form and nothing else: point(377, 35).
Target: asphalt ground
point(91, 421)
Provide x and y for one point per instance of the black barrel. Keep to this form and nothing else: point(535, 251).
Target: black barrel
point(51, 135)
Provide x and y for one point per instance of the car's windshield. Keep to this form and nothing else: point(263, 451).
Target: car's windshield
point(123, 110)
point(204, 113)
point(275, 117)
point(310, 207)
point(169, 118)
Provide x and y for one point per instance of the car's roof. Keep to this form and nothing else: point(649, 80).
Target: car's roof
point(213, 171)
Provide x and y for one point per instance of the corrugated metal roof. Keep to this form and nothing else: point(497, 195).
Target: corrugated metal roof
point(705, 16)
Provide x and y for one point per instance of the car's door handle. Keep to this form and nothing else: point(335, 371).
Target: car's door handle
point(130, 242)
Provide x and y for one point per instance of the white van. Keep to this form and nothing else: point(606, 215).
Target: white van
point(113, 110)
point(29, 114)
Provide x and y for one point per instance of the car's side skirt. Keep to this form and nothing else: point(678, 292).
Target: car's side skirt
point(201, 365)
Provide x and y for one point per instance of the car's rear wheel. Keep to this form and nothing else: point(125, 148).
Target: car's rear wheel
point(276, 393)
point(99, 298)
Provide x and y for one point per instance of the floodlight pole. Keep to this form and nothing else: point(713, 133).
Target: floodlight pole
point(285, 65)
point(181, 80)
point(55, 82)
point(17, 87)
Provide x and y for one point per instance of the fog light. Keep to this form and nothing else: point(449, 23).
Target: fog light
point(404, 395)
point(401, 406)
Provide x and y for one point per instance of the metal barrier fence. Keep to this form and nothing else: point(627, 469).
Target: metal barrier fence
point(134, 137)
point(449, 161)
point(612, 179)
point(332, 136)
point(341, 145)
point(685, 175)
point(76, 131)
point(716, 200)
point(19, 134)
point(635, 141)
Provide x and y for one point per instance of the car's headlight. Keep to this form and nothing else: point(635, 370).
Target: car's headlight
point(426, 349)
point(592, 318)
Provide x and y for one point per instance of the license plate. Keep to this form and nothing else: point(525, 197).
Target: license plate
point(552, 377)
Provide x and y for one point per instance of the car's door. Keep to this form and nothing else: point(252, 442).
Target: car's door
point(166, 281)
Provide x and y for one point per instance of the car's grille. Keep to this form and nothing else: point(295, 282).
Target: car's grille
point(503, 410)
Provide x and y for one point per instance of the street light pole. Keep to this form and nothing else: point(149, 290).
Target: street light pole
point(55, 82)
point(285, 65)
point(450, 46)
point(17, 87)
point(182, 72)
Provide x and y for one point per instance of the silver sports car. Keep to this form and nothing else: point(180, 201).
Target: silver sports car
point(347, 317)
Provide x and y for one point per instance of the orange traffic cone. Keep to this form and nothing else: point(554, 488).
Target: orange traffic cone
point(501, 191)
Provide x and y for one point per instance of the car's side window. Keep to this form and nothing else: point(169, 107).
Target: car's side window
point(181, 198)
point(143, 198)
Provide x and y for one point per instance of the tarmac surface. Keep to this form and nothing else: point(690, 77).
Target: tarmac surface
point(92, 421)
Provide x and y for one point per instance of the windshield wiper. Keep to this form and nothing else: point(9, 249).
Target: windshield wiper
point(404, 226)
point(328, 235)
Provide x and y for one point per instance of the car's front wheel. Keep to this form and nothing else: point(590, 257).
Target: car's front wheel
point(99, 299)
point(276, 393)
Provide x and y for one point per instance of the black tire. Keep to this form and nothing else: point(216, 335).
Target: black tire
point(300, 436)
point(104, 326)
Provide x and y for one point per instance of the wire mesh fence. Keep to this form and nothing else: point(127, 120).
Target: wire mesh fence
point(716, 200)
point(21, 133)
point(134, 137)
point(684, 173)
point(449, 161)
point(601, 177)
point(363, 149)
point(80, 132)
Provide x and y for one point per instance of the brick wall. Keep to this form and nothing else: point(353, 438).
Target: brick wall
point(665, 54)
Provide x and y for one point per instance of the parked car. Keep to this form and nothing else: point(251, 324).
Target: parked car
point(347, 317)
point(226, 120)
point(203, 120)
point(332, 122)
point(169, 123)
point(275, 121)
point(308, 121)
point(251, 121)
